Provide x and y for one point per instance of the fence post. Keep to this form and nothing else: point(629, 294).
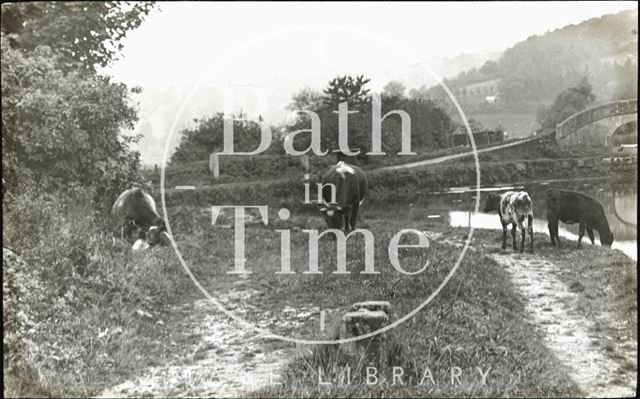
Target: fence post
point(214, 165)
point(304, 160)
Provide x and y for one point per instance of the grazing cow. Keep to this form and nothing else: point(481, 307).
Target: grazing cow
point(515, 208)
point(572, 207)
point(344, 187)
point(135, 211)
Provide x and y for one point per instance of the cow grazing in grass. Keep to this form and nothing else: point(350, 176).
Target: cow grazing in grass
point(515, 208)
point(137, 218)
point(572, 207)
point(344, 187)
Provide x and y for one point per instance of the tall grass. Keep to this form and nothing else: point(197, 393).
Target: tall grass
point(80, 297)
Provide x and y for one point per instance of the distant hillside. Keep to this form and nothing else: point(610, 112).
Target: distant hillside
point(535, 70)
point(415, 76)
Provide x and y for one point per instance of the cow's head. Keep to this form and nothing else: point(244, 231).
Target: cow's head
point(492, 203)
point(606, 239)
point(157, 231)
point(333, 215)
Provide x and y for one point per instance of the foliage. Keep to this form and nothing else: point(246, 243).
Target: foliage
point(347, 89)
point(430, 126)
point(627, 77)
point(83, 34)
point(63, 129)
point(394, 89)
point(71, 297)
point(206, 136)
point(570, 101)
point(306, 99)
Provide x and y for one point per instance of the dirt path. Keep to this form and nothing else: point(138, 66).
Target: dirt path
point(574, 338)
point(225, 360)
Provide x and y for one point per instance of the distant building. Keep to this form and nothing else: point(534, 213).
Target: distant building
point(491, 99)
point(481, 136)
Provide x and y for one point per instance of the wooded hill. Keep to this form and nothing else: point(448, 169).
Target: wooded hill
point(535, 70)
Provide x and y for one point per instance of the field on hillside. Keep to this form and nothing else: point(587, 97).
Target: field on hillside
point(516, 124)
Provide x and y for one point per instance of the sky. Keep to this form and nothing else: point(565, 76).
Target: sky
point(245, 43)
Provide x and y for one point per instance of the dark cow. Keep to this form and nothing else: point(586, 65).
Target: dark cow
point(135, 212)
point(515, 208)
point(344, 187)
point(571, 207)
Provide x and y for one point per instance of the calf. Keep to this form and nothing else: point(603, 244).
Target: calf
point(135, 212)
point(515, 208)
point(572, 207)
point(344, 187)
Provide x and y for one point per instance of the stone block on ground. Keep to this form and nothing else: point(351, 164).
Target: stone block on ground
point(364, 318)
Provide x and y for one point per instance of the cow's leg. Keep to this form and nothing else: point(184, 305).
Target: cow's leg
point(347, 222)
point(513, 236)
point(523, 233)
point(590, 233)
point(553, 232)
point(580, 235)
point(504, 235)
point(530, 228)
point(354, 216)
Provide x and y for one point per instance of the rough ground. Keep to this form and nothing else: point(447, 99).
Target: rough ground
point(574, 338)
point(226, 359)
point(225, 353)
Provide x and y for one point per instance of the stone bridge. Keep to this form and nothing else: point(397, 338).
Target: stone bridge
point(620, 113)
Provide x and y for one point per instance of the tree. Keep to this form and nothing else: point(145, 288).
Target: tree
point(347, 88)
point(83, 34)
point(430, 125)
point(207, 136)
point(394, 89)
point(490, 69)
point(61, 130)
point(62, 122)
point(570, 101)
point(306, 99)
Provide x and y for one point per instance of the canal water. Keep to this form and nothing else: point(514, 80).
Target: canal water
point(456, 207)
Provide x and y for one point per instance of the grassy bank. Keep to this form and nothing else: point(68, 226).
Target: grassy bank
point(387, 186)
point(270, 166)
point(477, 320)
point(104, 324)
point(87, 312)
point(101, 314)
point(514, 165)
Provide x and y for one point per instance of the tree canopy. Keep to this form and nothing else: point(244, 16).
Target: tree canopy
point(430, 126)
point(83, 33)
point(62, 122)
point(570, 101)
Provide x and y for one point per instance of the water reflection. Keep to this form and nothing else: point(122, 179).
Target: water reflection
point(620, 204)
point(455, 205)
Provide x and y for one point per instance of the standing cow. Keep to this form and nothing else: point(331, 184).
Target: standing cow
point(572, 207)
point(135, 212)
point(344, 187)
point(515, 208)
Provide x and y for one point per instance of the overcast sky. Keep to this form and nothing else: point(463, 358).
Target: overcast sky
point(180, 42)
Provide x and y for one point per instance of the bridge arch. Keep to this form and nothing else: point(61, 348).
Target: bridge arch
point(626, 134)
point(623, 111)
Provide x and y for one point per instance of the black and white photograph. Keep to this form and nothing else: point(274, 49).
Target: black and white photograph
point(319, 199)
